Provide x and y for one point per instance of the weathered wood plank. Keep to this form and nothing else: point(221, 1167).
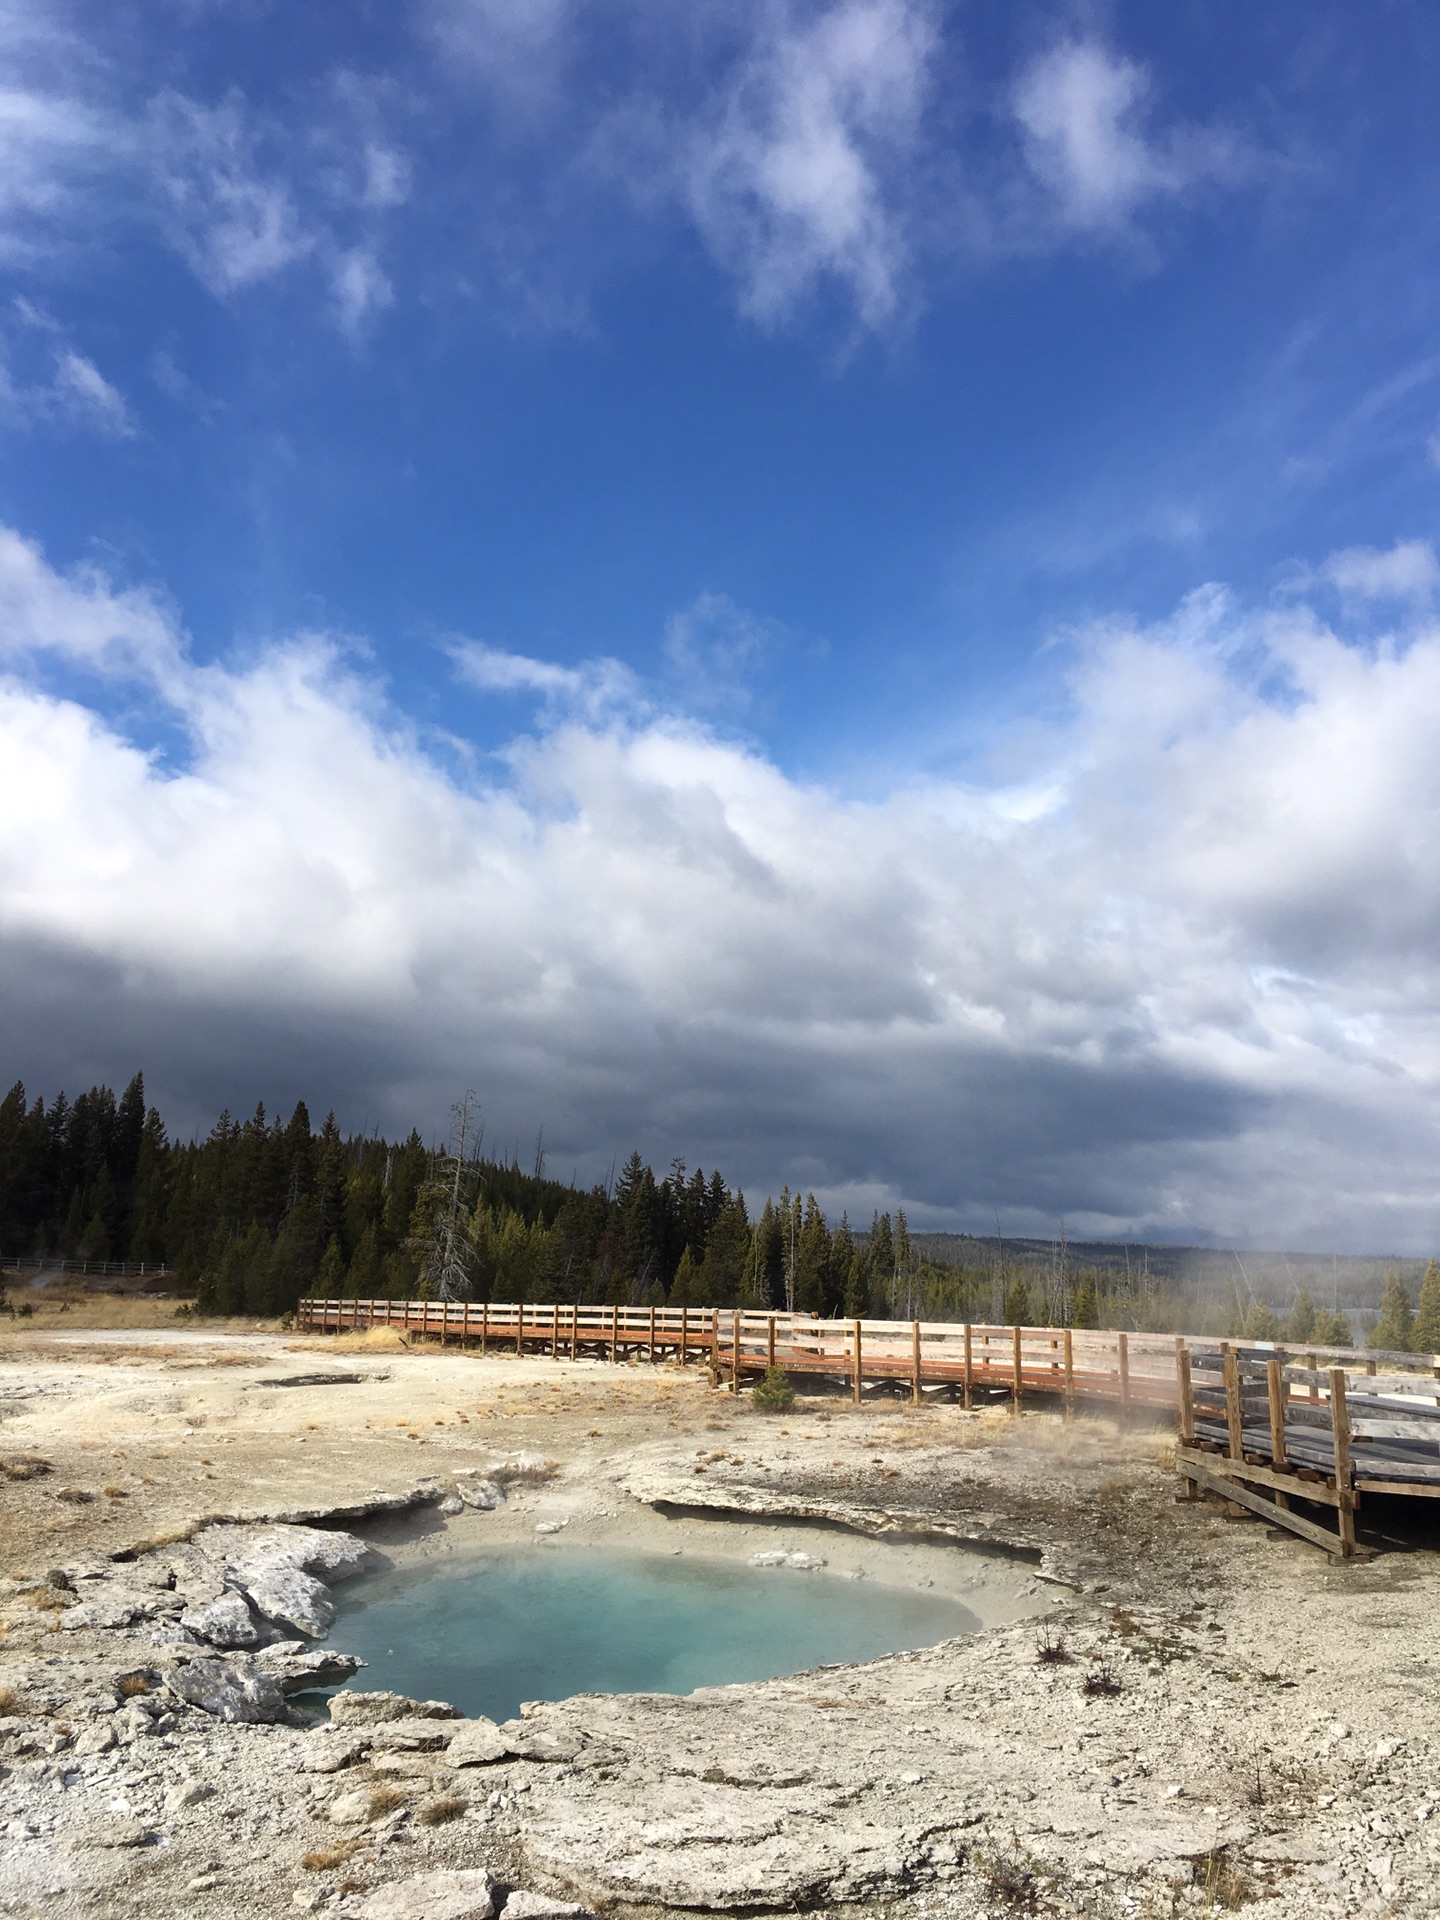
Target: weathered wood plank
point(1230, 1489)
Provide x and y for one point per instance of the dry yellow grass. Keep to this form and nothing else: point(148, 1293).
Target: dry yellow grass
point(67, 1308)
point(322, 1859)
point(372, 1340)
point(441, 1810)
point(24, 1466)
point(73, 1309)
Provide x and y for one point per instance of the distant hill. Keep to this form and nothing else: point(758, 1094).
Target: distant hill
point(1344, 1281)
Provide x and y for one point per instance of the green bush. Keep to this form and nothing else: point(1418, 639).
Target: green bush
point(772, 1393)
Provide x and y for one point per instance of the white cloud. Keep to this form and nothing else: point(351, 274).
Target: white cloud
point(596, 688)
point(387, 176)
point(1192, 987)
point(84, 393)
point(1083, 113)
point(362, 289)
point(716, 650)
point(789, 172)
point(235, 222)
point(82, 620)
point(1406, 571)
point(245, 201)
point(518, 51)
point(71, 390)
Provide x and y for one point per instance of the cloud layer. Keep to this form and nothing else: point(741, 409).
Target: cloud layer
point(1176, 975)
point(814, 150)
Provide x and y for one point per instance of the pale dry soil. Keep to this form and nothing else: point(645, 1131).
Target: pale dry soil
point(1265, 1739)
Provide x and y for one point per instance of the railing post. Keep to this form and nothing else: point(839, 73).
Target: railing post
point(684, 1336)
point(969, 1369)
point(1234, 1413)
point(1017, 1379)
point(1184, 1394)
point(519, 1327)
point(555, 1330)
point(914, 1363)
point(484, 1327)
point(1275, 1393)
point(1124, 1339)
point(652, 1336)
point(855, 1383)
point(1344, 1493)
point(735, 1352)
point(615, 1336)
point(1069, 1373)
point(770, 1341)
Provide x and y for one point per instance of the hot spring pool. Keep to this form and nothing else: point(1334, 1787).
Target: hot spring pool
point(493, 1629)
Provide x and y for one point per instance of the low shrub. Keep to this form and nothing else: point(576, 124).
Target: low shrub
point(1050, 1648)
point(773, 1392)
point(24, 1466)
point(438, 1812)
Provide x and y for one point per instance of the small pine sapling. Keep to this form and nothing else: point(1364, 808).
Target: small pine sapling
point(773, 1392)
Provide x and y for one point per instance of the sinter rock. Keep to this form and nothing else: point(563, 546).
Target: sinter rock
point(226, 1622)
point(228, 1690)
point(308, 1549)
point(524, 1905)
point(484, 1495)
point(477, 1743)
point(296, 1670)
point(294, 1599)
point(467, 1894)
point(369, 1709)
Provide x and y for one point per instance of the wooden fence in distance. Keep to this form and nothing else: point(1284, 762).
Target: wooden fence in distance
point(1263, 1428)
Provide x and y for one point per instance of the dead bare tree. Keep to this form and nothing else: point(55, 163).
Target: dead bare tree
point(446, 1253)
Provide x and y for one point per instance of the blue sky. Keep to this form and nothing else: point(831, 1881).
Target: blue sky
point(939, 499)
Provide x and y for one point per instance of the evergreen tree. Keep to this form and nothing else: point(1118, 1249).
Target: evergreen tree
point(682, 1291)
point(290, 1271)
point(695, 1216)
point(901, 1300)
point(1260, 1322)
point(1331, 1330)
point(366, 1275)
point(1301, 1325)
point(882, 1255)
point(727, 1253)
point(812, 1259)
point(857, 1286)
point(330, 1179)
point(1394, 1330)
point(330, 1280)
point(637, 1204)
point(770, 1257)
point(1085, 1303)
point(1426, 1332)
point(1017, 1308)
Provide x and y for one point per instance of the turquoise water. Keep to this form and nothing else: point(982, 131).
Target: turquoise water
point(544, 1623)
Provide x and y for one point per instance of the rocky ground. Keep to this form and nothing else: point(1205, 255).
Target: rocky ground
point(1165, 1712)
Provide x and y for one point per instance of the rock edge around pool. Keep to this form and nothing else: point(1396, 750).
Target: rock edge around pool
point(241, 1586)
point(463, 1893)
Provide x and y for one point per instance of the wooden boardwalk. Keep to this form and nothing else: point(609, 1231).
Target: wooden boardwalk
point(1262, 1427)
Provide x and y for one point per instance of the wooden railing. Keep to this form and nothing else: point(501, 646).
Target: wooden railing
point(1258, 1425)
